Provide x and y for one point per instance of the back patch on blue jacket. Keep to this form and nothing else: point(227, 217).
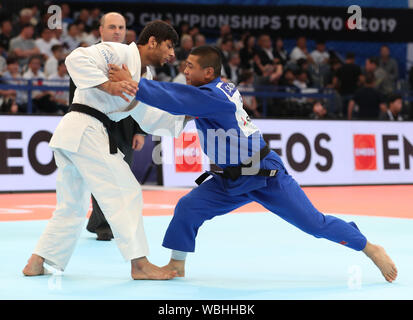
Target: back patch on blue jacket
point(228, 88)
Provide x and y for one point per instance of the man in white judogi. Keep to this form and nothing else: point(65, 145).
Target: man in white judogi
point(81, 149)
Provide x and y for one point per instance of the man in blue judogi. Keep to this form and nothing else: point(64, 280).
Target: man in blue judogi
point(251, 171)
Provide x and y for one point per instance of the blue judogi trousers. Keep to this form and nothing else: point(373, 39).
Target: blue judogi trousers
point(282, 195)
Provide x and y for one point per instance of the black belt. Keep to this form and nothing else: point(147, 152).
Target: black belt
point(234, 173)
point(113, 148)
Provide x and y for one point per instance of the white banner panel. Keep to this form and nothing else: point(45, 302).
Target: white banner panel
point(26, 161)
point(328, 152)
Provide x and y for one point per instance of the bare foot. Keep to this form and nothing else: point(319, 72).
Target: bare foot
point(34, 266)
point(142, 269)
point(176, 265)
point(380, 258)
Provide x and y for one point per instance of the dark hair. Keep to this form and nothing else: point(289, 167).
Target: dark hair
point(56, 47)
point(208, 56)
point(27, 25)
point(393, 97)
point(374, 60)
point(11, 60)
point(350, 55)
point(60, 62)
point(159, 29)
point(36, 56)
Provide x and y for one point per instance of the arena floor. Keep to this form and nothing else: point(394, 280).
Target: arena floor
point(249, 255)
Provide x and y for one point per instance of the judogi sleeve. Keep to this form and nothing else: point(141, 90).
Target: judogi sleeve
point(85, 66)
point(158, 122)
point(179, 98)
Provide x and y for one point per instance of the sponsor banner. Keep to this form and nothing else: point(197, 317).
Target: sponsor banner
point(327, 152)
point(329, 23)
point(182, 158)
point(26, 161)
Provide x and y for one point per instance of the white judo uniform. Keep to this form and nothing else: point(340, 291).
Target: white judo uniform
point(81, 149)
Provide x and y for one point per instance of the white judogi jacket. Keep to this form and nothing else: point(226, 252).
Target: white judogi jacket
point(88, 67)
point(85, 166)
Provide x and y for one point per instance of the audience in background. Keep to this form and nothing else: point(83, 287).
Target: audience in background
point(250, 60)
point(394, 108)
point(367, 102)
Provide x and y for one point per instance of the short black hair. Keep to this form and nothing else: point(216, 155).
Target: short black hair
point(208, 56)
point(350, 55)
point(393, 97)
point(60, 62)
point(374, 60)
point(159, 29)
point(56, 47)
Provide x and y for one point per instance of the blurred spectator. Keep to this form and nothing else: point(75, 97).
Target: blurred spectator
point(66, 18)
point(7, 102)
point(288, 78)
point(82, 34)
point(43, 101)
point(224, 32)
point(193, 31)
point(3, 63)
point(60, 79)
point(199, 40)
point(70, 41)
point(248, 52)
point(383, 82)
point(83, 16)
point(227, 46)
point(93, 37)
point(246, 80)
point(320, 55)
point(94, 17)
point(46, 42)
point(389, 64)
point(301, 79)
point(393, 111)
point(280, 54)
point(303, 64)
point(348, 77)
point(13, 76)
point(232, 69)
point(300, 51)
point(367, 102)
point(265, 54)
point(320, 111)
point(24, 46)
point(183, 28)
point(50, 66)
point(130, 36)
point(25, 17)
point(180, 78)
point(186, 45)
point(5, 35)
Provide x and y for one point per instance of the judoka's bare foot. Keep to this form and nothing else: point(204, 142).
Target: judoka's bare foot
point(142, 269)
point(380, 258)
point(176, 265)
point(34, 266)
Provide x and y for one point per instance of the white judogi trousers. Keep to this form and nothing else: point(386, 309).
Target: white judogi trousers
point(92, 169)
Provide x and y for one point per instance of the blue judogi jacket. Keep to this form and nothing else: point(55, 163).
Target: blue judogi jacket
point(227, 135)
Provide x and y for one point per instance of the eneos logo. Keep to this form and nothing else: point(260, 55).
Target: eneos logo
point(188, 153)
point(365, 151)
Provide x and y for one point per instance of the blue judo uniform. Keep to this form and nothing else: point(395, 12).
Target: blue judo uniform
point(229, 138)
